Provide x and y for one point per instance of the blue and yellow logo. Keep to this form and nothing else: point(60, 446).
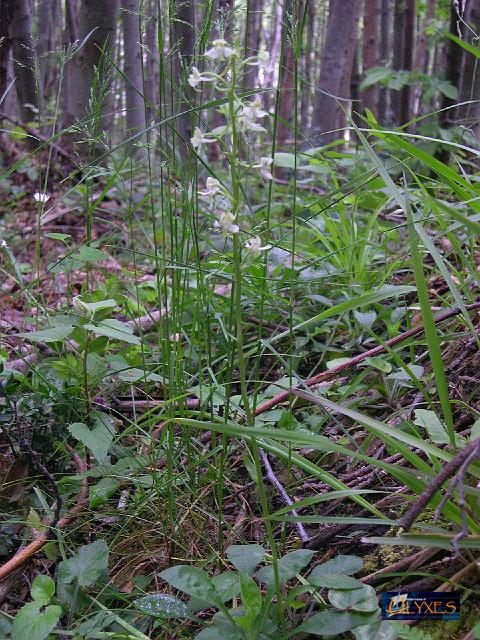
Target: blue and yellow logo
point(420, 605)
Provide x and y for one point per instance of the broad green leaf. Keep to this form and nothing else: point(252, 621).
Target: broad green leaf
point(429, 421)
point(332, 623)
point(43, 588)
point(364, 600)
point(99, 493)
point(192, 581)
point(377, 630)
point(346, 565)
point(227, 586)
point(93, 307)
point(57, 236)
point(288, 567)
point(114, 329)
point(220, 632)
point(159, 605)
point(245, 557)
point(89, 254)
point(32, 624)
point(334, 581)
point(98, 439)
point(86, 566)
point(251, 601)
point(52, 334)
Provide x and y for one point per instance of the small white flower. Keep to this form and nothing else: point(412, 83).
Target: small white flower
point(260, 60)
point(226, 222)
point(41, 197)
point(264, 166)
point(213, 187)
point(220, 50)
point(3, 244)
point(195, 77)
point(250, 113)
point(254, 245)
point(199, 138)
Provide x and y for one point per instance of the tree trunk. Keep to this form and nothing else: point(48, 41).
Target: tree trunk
point(371, 52)
point(286, 81)
point(408, 47)
point(453, 67)
point(24, 60)
point(6, 12)
point(308, 65)
point(151, 64)
point(252, 40)
point(336, 69)
point(49, 26)
point(421, 51)
point(183, 39)
point(132, 68)
point(470, 81)
point(99, 19)
point(385, 20)
point(397, 62)
point(70, 34)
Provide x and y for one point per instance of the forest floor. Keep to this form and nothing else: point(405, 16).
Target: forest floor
point(129, 379)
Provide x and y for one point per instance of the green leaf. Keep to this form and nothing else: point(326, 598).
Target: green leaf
point(251, 601)
point(87, 566)
point(429, 421)
point(364, 600)
point(220, 632)
point(331, 623)
point(57, 236)
point(98, 439)
point(376, 630)
point(334, 581)
point(93, 307)
point(43, 588)
point(159, 605)
point(114, 329)
point(192, 581)
point(288, 567)
point(346, 565)
point(227, 586)
point(89, 254)
point(245, 557)
point(35, 625)
point(99, 493)
point(52, 334)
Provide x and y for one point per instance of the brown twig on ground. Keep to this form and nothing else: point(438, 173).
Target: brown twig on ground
point(466, 455)
point(303, 535)
point(414, 561)
point(27, 552)
point(334, 371)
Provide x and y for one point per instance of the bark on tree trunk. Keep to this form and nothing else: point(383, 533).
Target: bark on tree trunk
point(70, 35)
point(385, 20)
point(49, 25)
point(183, 39)
point(371, 52)
point(252, 40)
point(453, 68)
point(6, 12)
point(397, 62)
point(408, 47)
point(336, 69)
point(24, 60)
point(308, 65)
point(286, 81)
point(151, 64)
point(132, 52)
point(99, 19)
point(421, 51)
point(470, 81)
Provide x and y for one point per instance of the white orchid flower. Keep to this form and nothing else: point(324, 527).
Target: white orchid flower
point(199, 138)
point(226, 222)
point(254, 245)
point(195, 77)
point(264, 167)
point(41, 197)
point(212, 188)
point(220, 50)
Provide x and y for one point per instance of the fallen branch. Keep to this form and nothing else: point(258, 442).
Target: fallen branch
point(334, 371)
point(31, 549)
point(465, 455)
point(304, 537)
